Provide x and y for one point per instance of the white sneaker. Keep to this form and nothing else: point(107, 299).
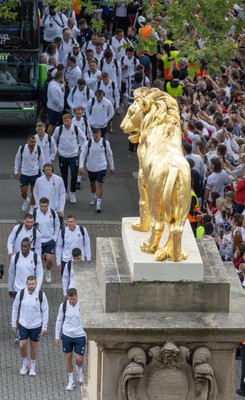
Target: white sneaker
point(93, 201)
point(98, 209)
point(25, 204)
point(32, 372)
point(72, 198)
point(70, 386)
point(80, 376)
point(24, 370)
point(48, 276)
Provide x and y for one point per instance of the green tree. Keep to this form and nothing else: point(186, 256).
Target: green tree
point(191, 23)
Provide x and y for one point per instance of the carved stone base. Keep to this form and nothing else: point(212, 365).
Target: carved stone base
point(129, 353)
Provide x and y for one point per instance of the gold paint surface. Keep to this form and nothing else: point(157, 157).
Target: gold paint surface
point(164, 180)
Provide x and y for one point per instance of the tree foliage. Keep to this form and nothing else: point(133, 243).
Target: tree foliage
point(200, 30)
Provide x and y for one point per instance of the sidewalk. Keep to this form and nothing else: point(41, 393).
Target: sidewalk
point(51, 376)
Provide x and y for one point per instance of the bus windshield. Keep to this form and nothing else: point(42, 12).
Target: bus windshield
point(23, 31)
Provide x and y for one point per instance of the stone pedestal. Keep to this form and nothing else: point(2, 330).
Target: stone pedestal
point(158, 339)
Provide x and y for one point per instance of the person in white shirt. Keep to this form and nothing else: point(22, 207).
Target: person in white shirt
point(55, 103)
point(112, 67)
point(76, 52)
point(28, 166)
point(21, 231)
point(218, 179)
point(67, 43)
point(99, 112)
point(51, 186)
point(72, 72)
point(97, 151)
point(117, 43)
point(93, 75)
point(68, 276)
point(82, 122)
point(70, 237)
point(47, 222)
point(111, 93)
point(22, 264)
point(46, 143)
point(79, 96)
point(98, 53)
point(69, 140)
point(91, 44)
point(31, 306)
point(128, 65)
point(52, 24)
point(73, 337)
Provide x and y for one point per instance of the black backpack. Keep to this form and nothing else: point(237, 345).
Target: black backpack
point(90, 142)
point(40, 298)
point(52, 212)
point(60, 132)
point(63, 241)
point(33, 242)
point(16, 258)
point(74, 90)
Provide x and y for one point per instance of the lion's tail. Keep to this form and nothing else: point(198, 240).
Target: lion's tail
point(168, 193)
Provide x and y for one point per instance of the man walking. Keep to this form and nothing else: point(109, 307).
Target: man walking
point(29, 162)
point(23, 264)
point(97, 151)
point(69, 139)
point(73, 236)
point(48, 224)
point(51, 186)
point(99, 112)
point(73, 337)
point(21, 231)
point(46, 143)
point(31, 308)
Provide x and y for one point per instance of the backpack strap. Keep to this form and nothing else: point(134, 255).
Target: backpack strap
point(87, 93)
point(73, 92)
point(89, 145)
point(63, 236)
point(64, 307)
point(35, 262)
point(113, 91)
point(86, 126)
point(16, 258)
point(76, 132)
point(21, 153)
point(59, 134)
point(101, 64)
point(34, 237)
point(99, 83)
point(18, 230)
point(49, 141)
point(54, 216)
point(92, 104)
point(69, 267)
point(116, 65)
point(22, 292)
point(83, 233)
point(104, 144)
point(122, 60)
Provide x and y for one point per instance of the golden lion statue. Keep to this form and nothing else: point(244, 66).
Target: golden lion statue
point(164, 180)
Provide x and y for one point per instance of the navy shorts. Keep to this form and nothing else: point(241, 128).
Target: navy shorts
point(54, 117)
point(33, 334)
point(25, 180)
point(98, 176)
point(48, 248)
point(77, 345)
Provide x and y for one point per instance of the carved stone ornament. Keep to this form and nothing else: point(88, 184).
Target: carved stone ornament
point(172, 373)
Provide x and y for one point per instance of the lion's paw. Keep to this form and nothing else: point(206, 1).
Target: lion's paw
point(137, 226)
point(147, 247)
point(160, 255)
